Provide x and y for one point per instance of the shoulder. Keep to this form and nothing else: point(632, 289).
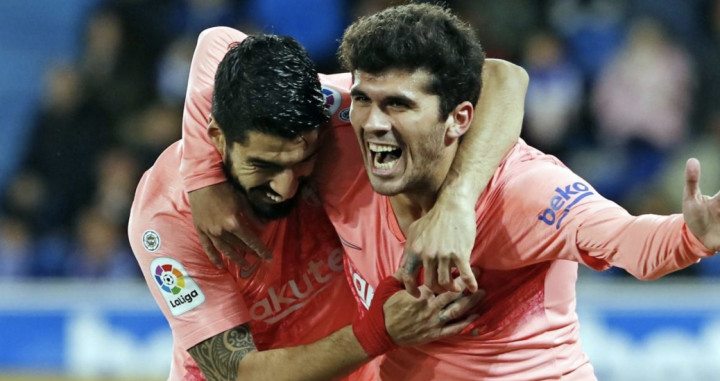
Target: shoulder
point(336, 88)
point(528, 177)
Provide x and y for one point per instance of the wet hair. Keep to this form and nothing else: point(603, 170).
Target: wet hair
point(418, 36)
point(267, 84)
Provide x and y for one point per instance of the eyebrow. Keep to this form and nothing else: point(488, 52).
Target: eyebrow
point(268, 163)
point(399, 99)
point(356, 92)
point(388, 99)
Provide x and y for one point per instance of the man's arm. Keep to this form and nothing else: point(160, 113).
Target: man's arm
point(213, 201)
point(404, 319)
point(232, 355)
point(541, 211)
point(201, 164)
point(651, 246)
point(444, 237)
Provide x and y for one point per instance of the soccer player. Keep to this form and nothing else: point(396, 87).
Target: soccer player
point(266, 133)
point(415, 81)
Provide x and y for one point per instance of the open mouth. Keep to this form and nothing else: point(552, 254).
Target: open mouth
point(384, 156)
point(267, 196)
point(273, 197)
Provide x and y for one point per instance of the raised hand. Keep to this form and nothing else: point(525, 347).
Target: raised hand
point(701, 212)
point(220, 228)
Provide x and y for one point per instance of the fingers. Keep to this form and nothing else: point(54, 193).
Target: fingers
point(411, 267)
point(212, 255)
point(242, 237)
point(444, 279)
point(444, 299)
point(430, 275)
point(467, 276)
point(457, 327)
point(462, 305)
point(692, 178)
point(228, 251)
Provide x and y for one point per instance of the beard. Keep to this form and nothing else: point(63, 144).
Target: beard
point(260, 209)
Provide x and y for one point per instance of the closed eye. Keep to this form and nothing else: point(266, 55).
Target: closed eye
point(398, 104)
point(265, 166)
point(360, 99)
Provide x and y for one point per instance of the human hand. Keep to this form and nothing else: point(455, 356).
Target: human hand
point(438, 241)
point(215, 215)
point(701, 212)
point(413, 320)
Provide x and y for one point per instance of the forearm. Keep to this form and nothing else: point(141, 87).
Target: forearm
point(201, 164)
point(647, 246)
point(495, 129)
point(326, 359)
point(231, 355)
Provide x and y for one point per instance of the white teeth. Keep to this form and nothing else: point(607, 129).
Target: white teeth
point(381, 148)
point(386, 165)
point(273, 197)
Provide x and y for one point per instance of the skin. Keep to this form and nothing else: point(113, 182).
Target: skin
point(268, 169)
point(393, 109)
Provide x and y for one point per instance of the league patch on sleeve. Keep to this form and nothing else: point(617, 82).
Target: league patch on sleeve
point(333, 99)
point(151, 240)
point(178, 289)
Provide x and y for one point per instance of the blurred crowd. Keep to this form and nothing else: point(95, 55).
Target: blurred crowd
point(623, 91)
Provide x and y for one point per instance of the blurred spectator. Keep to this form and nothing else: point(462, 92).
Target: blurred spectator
point(24, 197)
point(554, 95)
point(15, 248)
point(641, 103)
point(502, 26)
point(194, 16)
point(174, 70)
point(105, 73)
point(707, 98)
point(69, 133)
point(118, 175)
point(645, 91)
point(100, 250)
point(148, 132)
point(592, 29)
point(317, 27)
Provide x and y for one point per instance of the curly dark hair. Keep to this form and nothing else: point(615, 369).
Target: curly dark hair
point(268, 84)
point(418, 36)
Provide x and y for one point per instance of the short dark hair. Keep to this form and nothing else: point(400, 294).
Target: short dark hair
point(268, 84)
point(418, 36)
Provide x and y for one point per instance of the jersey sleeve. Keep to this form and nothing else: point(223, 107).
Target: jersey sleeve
point(198, 300)
point(201, 164)
point(546, 212)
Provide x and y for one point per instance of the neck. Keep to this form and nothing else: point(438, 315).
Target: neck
point(410, 206)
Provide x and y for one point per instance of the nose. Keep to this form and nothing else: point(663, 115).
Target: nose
point(377, 121)
point(285, 183)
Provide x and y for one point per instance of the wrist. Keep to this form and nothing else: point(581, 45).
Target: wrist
point(457, 197)
point(370, 330)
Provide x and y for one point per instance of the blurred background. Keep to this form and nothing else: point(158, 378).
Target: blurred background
point(91, 91)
